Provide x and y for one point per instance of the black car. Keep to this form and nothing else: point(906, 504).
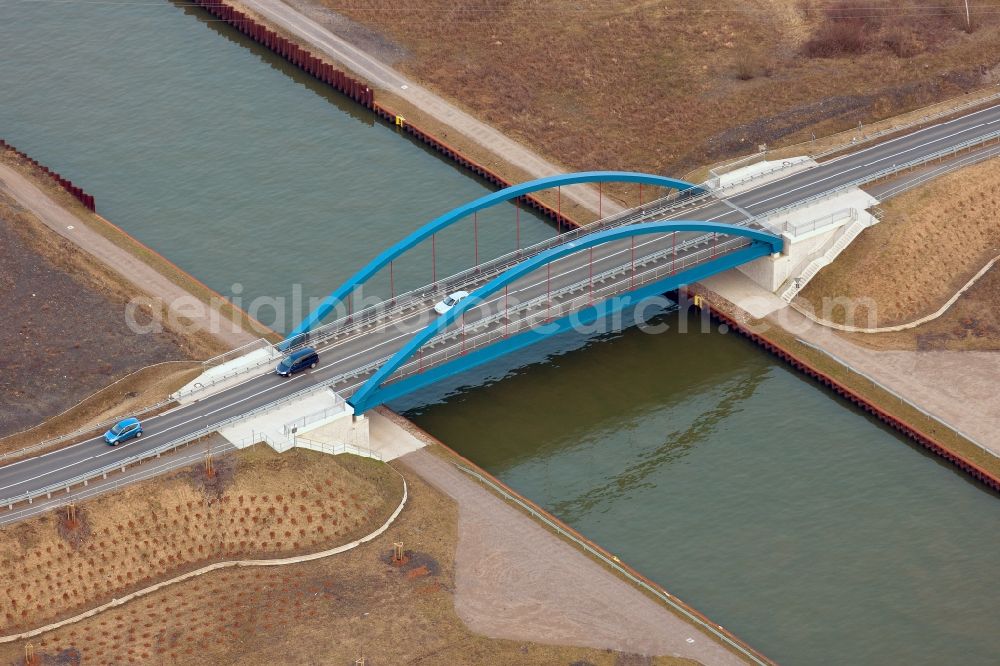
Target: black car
point(298, 360)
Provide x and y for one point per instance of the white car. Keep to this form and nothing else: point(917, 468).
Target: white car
point(450, 301)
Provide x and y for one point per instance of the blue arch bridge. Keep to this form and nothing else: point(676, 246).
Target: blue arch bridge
point(399, 344)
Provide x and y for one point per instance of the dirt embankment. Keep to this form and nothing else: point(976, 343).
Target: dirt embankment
point(257, 504)
point(65, 335)
point(332, 611)
point(66, 279)
point(930, 242)
point(669, 85)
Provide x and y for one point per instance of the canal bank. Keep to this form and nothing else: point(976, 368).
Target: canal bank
point(584, 604)
point(701, 547)
point(302, 29)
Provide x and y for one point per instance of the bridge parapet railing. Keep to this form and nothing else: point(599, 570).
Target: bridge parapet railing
point(340, 407)
point(233, 354)
point(476, 340)
point(432, 292)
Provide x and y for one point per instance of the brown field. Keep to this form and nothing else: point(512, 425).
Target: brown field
point(330, 611)
point(668, 85)
point(258, 504)
point(930, 242)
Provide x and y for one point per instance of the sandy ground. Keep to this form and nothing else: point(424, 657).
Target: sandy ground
point(516, 580)
point(130, 267)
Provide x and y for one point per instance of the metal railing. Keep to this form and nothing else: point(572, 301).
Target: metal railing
point(853, 133)
point(785, 164)
point(340, 407)
point(895, 169)
point(662, 595)
point(430, 293)
point(156, 452)
point(808, 226)
point(897, 395)
point(655, 208)
point(968, 160)
point(590, 294)
point(337, 448)
point(922, 120)
point(233, 354)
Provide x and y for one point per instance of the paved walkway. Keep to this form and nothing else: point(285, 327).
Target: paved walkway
point(517, 581)
point(383, 76)
point(958, 387)
point(119, 260)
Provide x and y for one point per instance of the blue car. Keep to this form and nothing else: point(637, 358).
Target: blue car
point(123, 431)
point(296, 361)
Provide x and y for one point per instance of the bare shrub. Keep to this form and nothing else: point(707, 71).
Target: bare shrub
point(837, 37)
point(746, 68)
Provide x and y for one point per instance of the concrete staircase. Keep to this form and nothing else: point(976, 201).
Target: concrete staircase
point(824, 256)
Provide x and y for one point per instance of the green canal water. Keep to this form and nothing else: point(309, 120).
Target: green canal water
point(785, 515)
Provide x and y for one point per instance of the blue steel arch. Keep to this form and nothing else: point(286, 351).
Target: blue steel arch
point(456, 214)
point(763, 244)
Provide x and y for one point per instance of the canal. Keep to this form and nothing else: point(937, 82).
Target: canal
point(808, 529)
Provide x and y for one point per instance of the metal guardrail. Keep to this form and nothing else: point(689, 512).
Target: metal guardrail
point(484, 339)
point(785, 164)
point(293, 426)
point(660, 594)
point(861, 373)
point(807, 226)
point(427, 294)
point(968, 160)
point(883, 173)
point(233, 354)
point(864, 138)
point(184, 440)
point(901, 128)
point(336, 448)
point(653, 209)
point(107, 423)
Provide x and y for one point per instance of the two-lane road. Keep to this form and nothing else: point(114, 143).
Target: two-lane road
point(365, 345)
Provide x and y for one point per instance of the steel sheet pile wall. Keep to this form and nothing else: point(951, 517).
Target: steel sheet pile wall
point(84, 198)
point(363, 95)
point(929, 443)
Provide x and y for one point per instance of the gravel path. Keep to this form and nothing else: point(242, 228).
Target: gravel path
point(515, 580)
point(133, 269)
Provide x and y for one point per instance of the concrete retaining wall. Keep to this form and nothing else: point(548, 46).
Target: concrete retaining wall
point(84, 198)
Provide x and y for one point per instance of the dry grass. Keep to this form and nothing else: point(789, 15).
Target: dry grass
point(668, 85)
point(258, 504)
point(931, 241)
point(331, 611)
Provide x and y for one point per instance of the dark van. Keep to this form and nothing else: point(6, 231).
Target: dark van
point(298, 360)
